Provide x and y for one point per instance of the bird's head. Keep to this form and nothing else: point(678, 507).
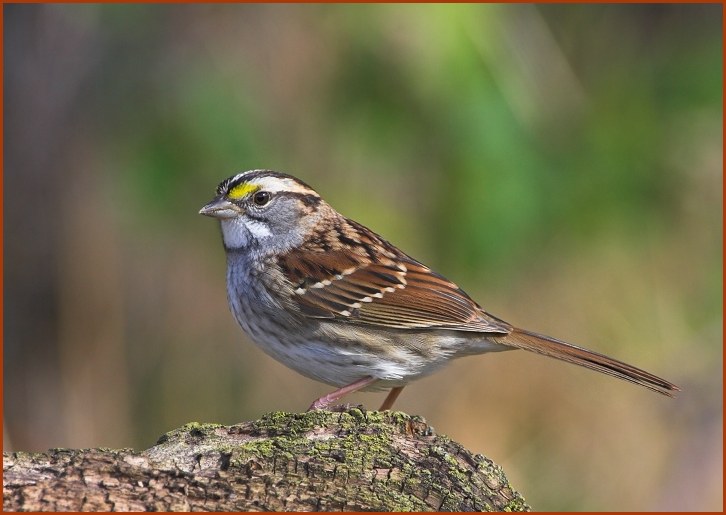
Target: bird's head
point(267, 210)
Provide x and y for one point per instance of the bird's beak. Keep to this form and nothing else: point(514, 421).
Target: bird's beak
point(220, 208)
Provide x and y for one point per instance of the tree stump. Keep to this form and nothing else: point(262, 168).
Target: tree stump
point(351, 460)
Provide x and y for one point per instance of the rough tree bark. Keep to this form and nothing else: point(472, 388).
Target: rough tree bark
point(350, 460)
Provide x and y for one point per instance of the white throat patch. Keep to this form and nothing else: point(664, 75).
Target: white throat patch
point(238, 233)
point(259, 230)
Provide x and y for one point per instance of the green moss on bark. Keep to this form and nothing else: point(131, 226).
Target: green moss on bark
point(321, 460)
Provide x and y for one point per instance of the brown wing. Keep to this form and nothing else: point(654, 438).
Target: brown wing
point(371, 282)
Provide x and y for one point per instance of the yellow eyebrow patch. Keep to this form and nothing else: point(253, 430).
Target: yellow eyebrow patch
point(241, 190)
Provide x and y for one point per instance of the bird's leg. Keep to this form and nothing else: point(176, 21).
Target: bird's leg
point(391, 398)
point(327, 400)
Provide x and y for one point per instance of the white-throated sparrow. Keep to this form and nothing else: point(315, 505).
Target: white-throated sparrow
point(334, 301)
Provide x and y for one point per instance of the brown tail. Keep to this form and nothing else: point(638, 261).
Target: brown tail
point(554, 348)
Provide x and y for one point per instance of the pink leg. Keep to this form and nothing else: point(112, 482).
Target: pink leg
point(391, 398)
point(327, 400)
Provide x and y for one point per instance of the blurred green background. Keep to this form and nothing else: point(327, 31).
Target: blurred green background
point(563, 164)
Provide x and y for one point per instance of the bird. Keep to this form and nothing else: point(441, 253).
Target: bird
point(337, 303)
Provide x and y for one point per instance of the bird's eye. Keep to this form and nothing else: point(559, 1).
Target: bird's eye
point(261, 198)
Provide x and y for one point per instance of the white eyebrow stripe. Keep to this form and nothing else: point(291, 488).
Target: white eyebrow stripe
point(277, 184)
point(269, 183)
point(274, 184)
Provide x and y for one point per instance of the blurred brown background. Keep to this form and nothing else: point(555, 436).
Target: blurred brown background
point(563, 164)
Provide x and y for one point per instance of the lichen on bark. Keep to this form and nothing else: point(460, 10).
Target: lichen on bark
point(321, 460)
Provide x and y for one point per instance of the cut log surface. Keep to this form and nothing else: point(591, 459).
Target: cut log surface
point(350, 460)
